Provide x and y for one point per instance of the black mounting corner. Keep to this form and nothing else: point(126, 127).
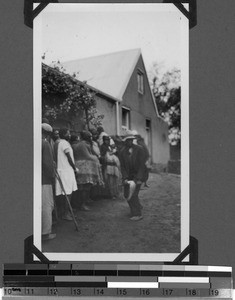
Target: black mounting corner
point(191, 14)
point(30, 250)
point(191, 250)
point(30, 13)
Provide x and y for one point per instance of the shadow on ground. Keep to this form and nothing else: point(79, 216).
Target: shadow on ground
point(107, 227)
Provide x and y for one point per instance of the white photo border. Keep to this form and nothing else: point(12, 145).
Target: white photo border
point(37, 103)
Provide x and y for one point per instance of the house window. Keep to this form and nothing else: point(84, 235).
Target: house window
point(125, 118)
point(148, 137)
point(148, 124)
point(140, 81)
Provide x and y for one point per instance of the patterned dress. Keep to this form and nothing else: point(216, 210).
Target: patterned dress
point(111, 171)
point(89, 169)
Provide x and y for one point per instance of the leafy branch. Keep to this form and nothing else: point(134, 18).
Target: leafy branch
point(64, 96)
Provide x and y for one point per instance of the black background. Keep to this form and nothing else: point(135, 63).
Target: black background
point(212, 137)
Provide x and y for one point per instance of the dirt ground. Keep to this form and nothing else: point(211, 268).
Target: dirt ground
point(107, 227)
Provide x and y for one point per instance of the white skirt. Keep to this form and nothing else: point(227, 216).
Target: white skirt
point(68, 180)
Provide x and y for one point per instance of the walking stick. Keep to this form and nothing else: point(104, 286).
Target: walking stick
point(55, 209)
point(70, 207)
point(55, 206)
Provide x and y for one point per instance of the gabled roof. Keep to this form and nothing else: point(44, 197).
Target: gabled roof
point(109, 73)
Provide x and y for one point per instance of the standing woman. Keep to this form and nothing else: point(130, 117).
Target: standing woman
point(89, 173)
point(66, 170)
point(110, 167)
point(94, 144)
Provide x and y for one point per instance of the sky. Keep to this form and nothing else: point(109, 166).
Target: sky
point(74, 31)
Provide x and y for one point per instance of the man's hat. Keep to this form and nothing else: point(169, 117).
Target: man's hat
point(129, 189)
point(46, 127)
point(135, 132)
point(106, 137)
point(128, 135)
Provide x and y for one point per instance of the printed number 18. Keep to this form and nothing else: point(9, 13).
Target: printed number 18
point(191, 292)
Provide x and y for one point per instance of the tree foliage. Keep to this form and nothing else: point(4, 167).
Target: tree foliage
point(64, 96)
point(167, 92)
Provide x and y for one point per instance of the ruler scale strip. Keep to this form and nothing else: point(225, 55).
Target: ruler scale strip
point(110, 280)
point(125, 292)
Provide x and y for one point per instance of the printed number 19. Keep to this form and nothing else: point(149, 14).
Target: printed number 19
point(214, 292)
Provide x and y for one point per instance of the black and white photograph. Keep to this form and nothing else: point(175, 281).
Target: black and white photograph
point(111, 132)
point(37, 45)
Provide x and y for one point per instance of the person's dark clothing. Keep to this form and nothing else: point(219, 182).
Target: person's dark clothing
point(103, 150)
point(82, 151)
point(55, 150)
point(133, 168)
point(146, 157)
point(47, 163)
point(146, 150)
point(134, 202)
point(132, 163)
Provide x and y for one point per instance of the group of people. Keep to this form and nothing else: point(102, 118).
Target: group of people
point(76, 167)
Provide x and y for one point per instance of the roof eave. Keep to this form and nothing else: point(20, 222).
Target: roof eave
point(108, 97)
point(97, 91)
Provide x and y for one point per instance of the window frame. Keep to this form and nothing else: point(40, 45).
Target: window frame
point(128, 121)
point(140, 81)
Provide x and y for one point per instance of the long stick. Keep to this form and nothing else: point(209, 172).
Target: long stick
point(55, 206)
point(70, 207)
point(55, 209)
